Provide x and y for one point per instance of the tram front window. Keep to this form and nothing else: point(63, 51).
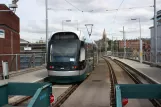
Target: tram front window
point(64, 51)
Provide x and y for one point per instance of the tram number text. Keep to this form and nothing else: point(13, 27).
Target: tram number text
point(42, 96)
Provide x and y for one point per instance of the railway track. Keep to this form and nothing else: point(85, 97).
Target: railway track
point(113, 81)
point(131, 73)
point(61, 99)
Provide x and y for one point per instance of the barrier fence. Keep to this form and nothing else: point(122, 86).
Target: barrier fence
point(22, 61)
point(147, 56)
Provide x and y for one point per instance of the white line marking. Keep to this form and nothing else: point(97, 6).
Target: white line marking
point(60, 87)
point(38, 80)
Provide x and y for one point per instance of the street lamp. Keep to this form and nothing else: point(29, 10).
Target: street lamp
point(124, 38)
point(141, 50)
point(46, 10)
point(14, 5)
point(117, 44)
point(63, 23)
point(155, 32)
point(68, 21)
point(112, 42)
point(77, 24)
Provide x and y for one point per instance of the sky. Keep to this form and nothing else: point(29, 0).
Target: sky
point(32, 17)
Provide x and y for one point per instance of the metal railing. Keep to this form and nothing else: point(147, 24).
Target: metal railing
point(22, 61)
point(147, 56)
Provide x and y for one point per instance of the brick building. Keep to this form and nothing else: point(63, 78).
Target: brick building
point(10, 41)
point(135, 44)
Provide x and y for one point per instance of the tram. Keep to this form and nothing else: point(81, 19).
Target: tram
point(71, 56)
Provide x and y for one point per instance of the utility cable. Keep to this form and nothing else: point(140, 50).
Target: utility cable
point(73, 6)
point(117, 11)
point(105, 10)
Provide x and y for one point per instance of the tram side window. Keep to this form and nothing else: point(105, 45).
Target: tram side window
point(82, 58)
point(82, 55)
point(51, 52)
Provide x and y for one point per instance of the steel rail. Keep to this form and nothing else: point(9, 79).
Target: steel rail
point(113, 81)
point(63, 97)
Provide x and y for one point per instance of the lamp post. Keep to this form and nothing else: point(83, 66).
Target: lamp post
point(124, 38)
point(112, 45)
point(141, 50)
point(155, 32)
point(77, 24)
point(112, 42)
point(68, 21)
point(46, 9)
point(63, 23)
point(115, 44)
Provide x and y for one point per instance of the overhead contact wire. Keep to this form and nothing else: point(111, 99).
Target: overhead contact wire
point(73, 6)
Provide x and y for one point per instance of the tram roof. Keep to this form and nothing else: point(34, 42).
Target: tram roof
point(81, 35)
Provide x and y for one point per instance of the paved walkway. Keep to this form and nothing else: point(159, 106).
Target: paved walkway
point(27, 77)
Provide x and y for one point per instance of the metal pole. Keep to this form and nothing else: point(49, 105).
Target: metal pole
point(105, 47)
point(155, 32)
point(111, 44)
point(117, 46)
point(124, 42)
point(97, 55)
point(100, 48)
point(46, 3)
point(16, 63)
point(141, 50)
point(62, 26)
point(45, 58)
point(34, 60)
point(77, 24)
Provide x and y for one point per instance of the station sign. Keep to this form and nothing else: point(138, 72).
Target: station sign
point(27, 48)
point(2, 33)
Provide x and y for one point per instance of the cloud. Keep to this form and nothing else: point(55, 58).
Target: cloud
point(32, 16)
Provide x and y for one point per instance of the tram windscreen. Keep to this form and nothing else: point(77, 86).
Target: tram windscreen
point(64, 51)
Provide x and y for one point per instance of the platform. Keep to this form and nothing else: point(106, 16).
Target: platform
point(94, 91)
point(147, 62)
point(30, 77)
point(152, 72)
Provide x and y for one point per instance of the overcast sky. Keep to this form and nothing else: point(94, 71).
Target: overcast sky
point(32, 17)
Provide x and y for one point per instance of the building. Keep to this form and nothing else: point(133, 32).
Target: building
point(28, 48)
point(159, 16)
point(22, 41)
point(9, 37)
point(134, 44)
point(32, 54)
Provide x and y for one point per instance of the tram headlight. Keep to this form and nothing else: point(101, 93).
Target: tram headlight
point(74, 67)
point(51, 67)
